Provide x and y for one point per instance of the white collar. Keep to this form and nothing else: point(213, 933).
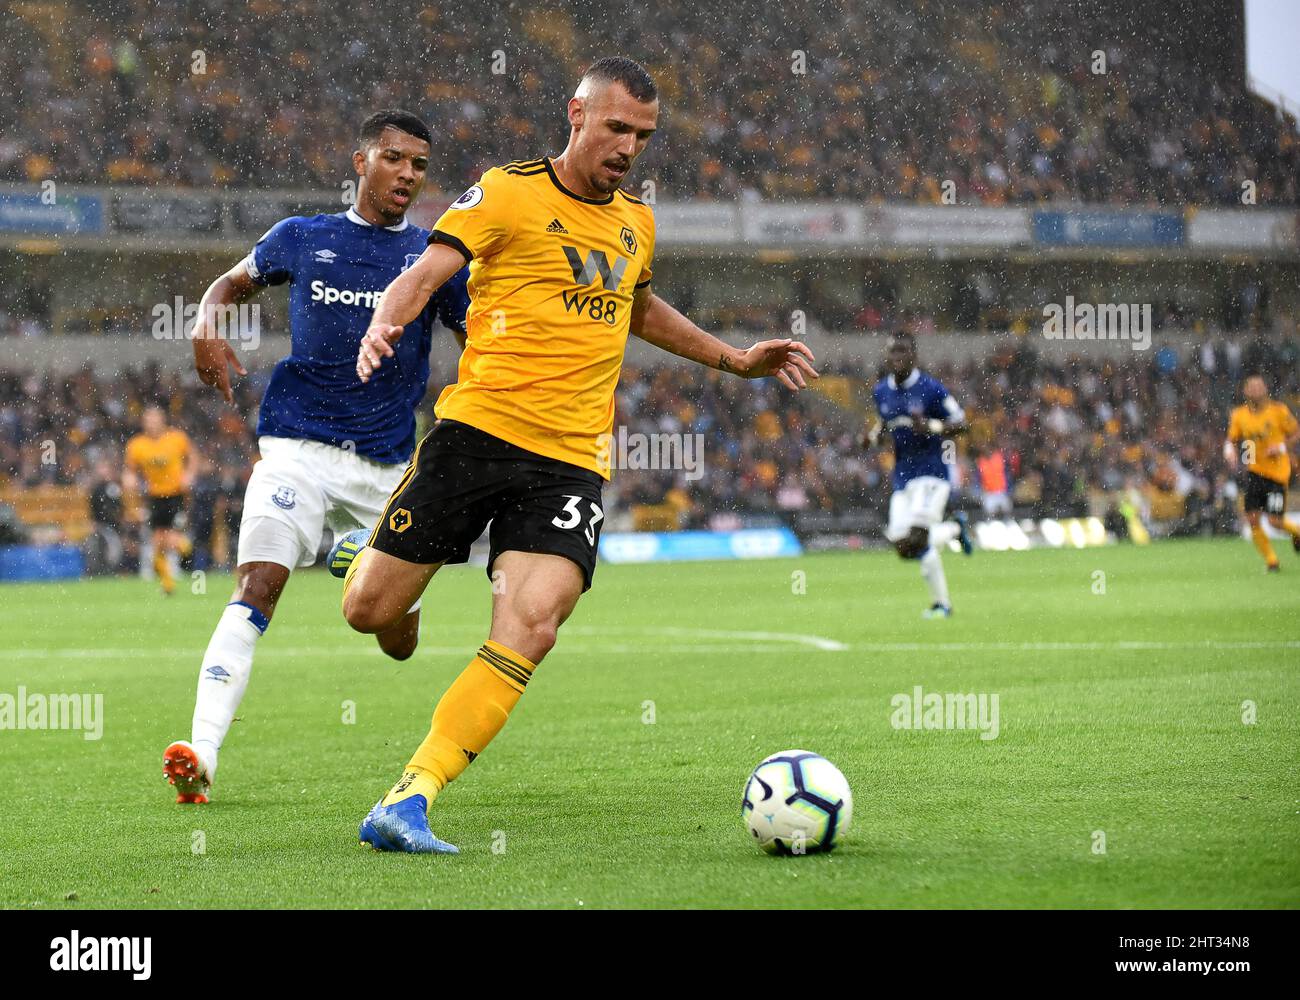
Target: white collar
point(908, 382)
point(355, 216)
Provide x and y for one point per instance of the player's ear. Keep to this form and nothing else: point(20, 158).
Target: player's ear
point(359, 162)
point(577, 111)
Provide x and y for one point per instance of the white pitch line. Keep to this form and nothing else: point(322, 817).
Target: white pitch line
point(1117, 646)
point(815, 641)
point(368, 651)
point(760, 642)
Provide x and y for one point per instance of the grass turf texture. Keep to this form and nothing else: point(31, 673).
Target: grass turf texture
point(595, 807)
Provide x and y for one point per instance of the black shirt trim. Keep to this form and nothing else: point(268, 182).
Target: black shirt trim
point(550, 172)
point(438, 236)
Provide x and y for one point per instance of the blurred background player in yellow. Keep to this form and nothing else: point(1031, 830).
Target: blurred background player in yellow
point(165, 460)
point(1260, 434)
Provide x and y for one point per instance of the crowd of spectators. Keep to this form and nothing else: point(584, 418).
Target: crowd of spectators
point(71, 431)
point(865, 99)
point(1083, 437)
point(1072, 438)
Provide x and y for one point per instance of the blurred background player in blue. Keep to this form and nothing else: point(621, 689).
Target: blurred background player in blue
point(920, 414)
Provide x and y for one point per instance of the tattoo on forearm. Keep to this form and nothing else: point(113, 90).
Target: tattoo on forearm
point(724, 365)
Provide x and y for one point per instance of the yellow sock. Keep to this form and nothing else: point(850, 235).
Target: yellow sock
point(468, 716)
point(184, 546)
point(1290, 527)
point(1263, 544)
point(347, 577)
point(164, 570)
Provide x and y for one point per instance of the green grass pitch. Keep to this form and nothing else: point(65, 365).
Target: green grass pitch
point(1121, 715)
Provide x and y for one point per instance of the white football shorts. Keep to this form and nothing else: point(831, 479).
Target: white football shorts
point(919, 504)
point(299, 488)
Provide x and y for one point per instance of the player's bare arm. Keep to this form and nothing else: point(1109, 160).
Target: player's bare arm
point(1230, 441)
point(658, 323)
point(871, 435)
point(213, 355)
point(403, 300)
point(191, 471)
point(943, 428)
point(1288, 445)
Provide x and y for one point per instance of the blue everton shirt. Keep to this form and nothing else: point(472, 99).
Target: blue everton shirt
point(915, 454)
point(337, 266)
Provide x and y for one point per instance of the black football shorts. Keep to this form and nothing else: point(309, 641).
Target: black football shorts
point(1263, 494)
point(163, 511)
point(462, 478)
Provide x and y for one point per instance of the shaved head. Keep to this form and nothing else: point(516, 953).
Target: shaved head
point(612, 115)
point(618, 69)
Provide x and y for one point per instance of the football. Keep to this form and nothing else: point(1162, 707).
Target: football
point(797, 802)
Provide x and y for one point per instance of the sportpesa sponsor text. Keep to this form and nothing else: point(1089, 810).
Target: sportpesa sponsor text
point(321, 292)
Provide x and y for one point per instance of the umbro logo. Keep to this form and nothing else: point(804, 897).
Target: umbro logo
point(557, 226)
point(217, 673)
point(325, 256)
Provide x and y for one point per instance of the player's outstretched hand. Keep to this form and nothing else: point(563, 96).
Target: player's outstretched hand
point(787, 359)
point(376, 344)
point(211, 358)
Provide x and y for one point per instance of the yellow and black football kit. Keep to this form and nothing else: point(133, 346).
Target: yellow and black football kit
point(1261, 436)
point(522, 438)
point(551, 280)
point(161, 462)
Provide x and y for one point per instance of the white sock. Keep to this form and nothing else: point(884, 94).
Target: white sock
point(943, 533)
point(223, 677)
point(932, 570)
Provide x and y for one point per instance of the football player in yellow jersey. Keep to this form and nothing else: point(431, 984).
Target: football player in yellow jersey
point(1260, 434)
point(165, 460)
point(560, 270)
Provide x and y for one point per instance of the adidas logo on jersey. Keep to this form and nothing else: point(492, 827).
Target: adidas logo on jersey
point(557, 226)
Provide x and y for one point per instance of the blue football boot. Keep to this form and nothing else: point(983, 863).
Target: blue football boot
point(403, 826)
point(345, 550)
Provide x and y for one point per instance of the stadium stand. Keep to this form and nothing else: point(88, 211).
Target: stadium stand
point(1000, 99)
point(1078, 437)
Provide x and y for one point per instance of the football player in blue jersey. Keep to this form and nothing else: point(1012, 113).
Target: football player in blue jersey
point(919, 413)
point(332, 447)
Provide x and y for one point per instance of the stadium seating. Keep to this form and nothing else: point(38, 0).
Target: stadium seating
point(998, 99)
point(50, 513)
